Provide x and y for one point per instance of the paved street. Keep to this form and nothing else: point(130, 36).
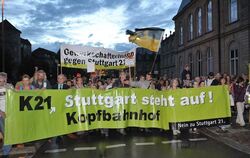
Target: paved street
point(138, 144)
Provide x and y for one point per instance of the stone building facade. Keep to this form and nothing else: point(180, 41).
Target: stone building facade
point(17, 51)
point(168, 51)
point(212, 36)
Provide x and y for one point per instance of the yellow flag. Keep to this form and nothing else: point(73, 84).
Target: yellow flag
point(149, 38)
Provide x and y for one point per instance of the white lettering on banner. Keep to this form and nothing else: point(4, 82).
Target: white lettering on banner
point(110, 101)
point(73, 55)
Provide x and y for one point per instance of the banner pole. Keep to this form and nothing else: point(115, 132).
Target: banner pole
point(159, 48)
point(57, 69)
point(135, 72)
point(129, 69)
point(61, 68)
point(3, 39)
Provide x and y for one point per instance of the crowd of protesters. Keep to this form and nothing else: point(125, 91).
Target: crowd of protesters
point(238, 87)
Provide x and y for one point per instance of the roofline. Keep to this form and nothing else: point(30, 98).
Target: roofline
point(179, 13)
point(150, 28)
point(25, 40)
point(43, 49)
point(5, 20)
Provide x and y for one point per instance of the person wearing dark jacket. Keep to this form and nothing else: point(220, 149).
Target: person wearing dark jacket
point(185, 72)
point(60, 83)
point(216, 80)
point(122, 82)
point(239, 91)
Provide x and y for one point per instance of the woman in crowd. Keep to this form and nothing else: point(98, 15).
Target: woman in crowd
point(187, 83)
point(25, 84)
point(174, 86)
point(166, 85)
point(196, 84)
point(78, 83)
point(202, 83)
point(100, 85)
point(239, 93)
point(160, 85)
point(69, 83)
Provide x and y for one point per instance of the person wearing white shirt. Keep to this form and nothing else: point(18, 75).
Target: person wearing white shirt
point(3, 88)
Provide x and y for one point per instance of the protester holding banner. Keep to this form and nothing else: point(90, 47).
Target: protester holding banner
point(3, 87)
point(142, 83)
point(60, 82)
point(174, 85)
point(122, 82)
point(223, 82)
point(26, 84)
point(61, 85)
point(40, 81)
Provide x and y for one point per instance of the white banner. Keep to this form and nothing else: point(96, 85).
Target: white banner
point(76, 56)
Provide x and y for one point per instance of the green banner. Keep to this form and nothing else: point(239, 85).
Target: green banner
point(39, 114)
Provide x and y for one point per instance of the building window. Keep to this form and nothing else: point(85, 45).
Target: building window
point(181, 35)
point(209, 16)
point(190, 26)
point(180, 65)
point(199, 22)
point(190, 61)
point(233, 11)
point(234, 60)
point(199, 63)
point(209, 60)
point(166, 61)
point(172, 60)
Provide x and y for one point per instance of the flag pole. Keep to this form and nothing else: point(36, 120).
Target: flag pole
point(129, 70)
point(152, 68)
point(61, 68)
point(57, 69)
point(3, 40)
point(135, 72)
